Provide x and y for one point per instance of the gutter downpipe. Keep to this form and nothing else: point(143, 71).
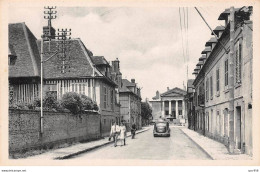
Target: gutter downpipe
point(231, 83)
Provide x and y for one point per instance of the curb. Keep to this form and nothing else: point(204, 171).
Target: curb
point(200, 147)
point(92, 148)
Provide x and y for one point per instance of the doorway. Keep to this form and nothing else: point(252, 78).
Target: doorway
point(238, 127)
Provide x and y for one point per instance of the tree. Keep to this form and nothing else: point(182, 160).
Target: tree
point(146, 111)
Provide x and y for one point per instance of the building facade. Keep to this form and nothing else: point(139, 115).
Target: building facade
point(76, 71)
point(227, 77)
point(190, 104)
point(169, 105)
point(130, 103)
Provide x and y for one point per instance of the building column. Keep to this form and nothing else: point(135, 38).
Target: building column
point(163, 109)
point(176, 109)
point(183, 109)
point(170, 107)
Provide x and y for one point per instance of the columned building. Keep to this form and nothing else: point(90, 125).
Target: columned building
point(169, 105)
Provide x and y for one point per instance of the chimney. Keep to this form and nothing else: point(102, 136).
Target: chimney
point(157, 94)
point(49, 30)
point(168, 88)
point(133, 81)
point(115, 66)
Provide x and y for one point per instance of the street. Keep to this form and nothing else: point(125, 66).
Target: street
point(145, 146)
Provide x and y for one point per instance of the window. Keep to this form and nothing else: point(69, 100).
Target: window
point(72, 87)
point(207, 121)
point(83, 88)
point(207, 89)
point(80, 89)
point(238, 62)
point(105, 97)
point(76, 88)
point(217, 80)
point(226, 72)
point(112, 99)
point(166, 112)
point(89, 88)
point(218, 123)
point(226, 123)
point(211, 87)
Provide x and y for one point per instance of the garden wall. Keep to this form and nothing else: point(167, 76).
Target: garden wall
point(58, 128)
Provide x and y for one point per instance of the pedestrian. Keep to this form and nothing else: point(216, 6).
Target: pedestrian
point(115, 131)
point(122, 133)
point(133, 129)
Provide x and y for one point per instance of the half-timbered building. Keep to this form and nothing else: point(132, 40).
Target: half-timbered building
point(76, 70)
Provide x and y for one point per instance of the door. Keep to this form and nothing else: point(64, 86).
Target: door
point(238, 127)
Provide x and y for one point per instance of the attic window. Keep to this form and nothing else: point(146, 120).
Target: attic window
point(11, 60)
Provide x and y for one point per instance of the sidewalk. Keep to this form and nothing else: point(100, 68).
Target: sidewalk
point(64, 153)
point(216, 150)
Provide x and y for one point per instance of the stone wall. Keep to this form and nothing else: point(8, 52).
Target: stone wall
point(58, 128)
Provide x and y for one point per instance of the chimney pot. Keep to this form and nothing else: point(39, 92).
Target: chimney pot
point(168, 88)
point(133, 80)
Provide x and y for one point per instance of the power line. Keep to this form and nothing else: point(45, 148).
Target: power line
point(183, 15)
point(187, 39)
point(181, 34)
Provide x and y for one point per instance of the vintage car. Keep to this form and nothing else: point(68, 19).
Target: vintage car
point(161, 128)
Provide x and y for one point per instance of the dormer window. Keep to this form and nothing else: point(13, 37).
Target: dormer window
point(11, 56)
point(11, 60)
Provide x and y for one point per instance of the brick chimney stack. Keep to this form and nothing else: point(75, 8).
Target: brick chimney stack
point(115, 66)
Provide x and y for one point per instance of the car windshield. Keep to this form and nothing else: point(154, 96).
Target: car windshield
point(161, 125)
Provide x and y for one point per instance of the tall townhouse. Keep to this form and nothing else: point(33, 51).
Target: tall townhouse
point(130, 103)
point(228, 82)
point(129, 97)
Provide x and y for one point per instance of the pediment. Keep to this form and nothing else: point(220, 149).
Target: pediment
point(175, 92)
point(173, 95)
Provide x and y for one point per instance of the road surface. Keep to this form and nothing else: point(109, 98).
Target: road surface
point(145, 146)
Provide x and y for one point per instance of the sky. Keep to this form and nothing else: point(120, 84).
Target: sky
point(147, 41)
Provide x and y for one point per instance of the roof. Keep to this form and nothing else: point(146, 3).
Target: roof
point(210, 41)
point(199, 63)
point(22, 43)
point(207, 49)
point(128, 83)
point(224, 14)
point(125, 87)
point(218, 29)
point(78, 63)
point(99, 60)
point(203, 57)
point(174, 92)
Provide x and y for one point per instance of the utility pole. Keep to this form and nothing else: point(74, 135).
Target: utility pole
point(231, 61)
point(65, 34)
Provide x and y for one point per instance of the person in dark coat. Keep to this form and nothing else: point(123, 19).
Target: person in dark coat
point(133, 129)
